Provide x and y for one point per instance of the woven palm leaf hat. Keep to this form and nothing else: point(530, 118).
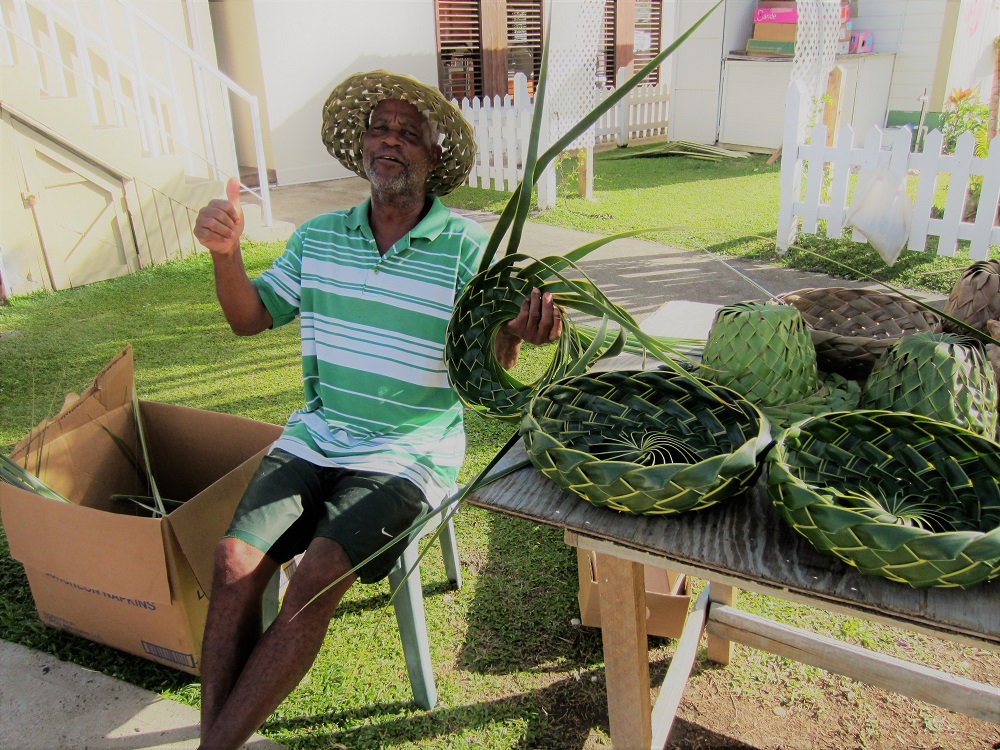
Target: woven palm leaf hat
point(348, 109)
point(764, 353)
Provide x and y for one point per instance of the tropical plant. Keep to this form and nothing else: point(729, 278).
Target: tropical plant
point(964, 113)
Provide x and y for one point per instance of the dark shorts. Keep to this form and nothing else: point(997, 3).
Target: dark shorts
point(290, 501)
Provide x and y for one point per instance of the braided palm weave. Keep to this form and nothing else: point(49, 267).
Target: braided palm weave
point(975, 298)
point(647, 442)
point(764, 353)
point(895, 495)
point(942, 376)
point(851, 328)
point(492, 298)
point(348, 109)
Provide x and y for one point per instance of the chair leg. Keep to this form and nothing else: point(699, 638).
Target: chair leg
point(449, 549)
point(270, 603)
point(409, 607)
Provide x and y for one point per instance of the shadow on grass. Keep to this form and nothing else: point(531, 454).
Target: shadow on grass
point(561, 716)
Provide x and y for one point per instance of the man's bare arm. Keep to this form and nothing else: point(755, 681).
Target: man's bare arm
point(218, 227)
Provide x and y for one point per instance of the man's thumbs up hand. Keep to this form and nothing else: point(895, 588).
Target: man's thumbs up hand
point(220, 223)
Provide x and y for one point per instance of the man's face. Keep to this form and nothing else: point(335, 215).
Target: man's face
point(397, 149)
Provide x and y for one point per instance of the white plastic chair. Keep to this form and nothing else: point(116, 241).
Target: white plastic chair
point(408, 604)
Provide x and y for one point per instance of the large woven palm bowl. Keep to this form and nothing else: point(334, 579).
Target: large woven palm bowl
point(896, 495)
point(852, 328)
point(647, 442)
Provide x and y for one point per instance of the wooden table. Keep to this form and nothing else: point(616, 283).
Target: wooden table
point(743, 544)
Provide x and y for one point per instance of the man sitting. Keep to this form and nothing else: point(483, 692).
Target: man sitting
point(381, 434)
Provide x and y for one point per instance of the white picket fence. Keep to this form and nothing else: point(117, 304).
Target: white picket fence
point(825, 172)
point(502, 127)
point(642, 114)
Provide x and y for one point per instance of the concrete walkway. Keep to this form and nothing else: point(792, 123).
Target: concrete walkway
point(46, 704)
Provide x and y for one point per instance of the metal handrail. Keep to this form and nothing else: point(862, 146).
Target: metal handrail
point(151, 128)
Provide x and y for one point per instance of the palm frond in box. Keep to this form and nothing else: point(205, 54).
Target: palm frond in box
point(896, 495)
point(647, 442)
point(942, 376)
point(852, 328)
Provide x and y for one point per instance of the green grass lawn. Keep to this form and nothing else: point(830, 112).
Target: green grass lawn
point(728, 207)
point(512, 669)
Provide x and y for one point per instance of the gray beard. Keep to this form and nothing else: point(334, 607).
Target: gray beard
point(404, 184)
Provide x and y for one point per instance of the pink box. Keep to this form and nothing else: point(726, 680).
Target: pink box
point(861, 41)
point(790, 15)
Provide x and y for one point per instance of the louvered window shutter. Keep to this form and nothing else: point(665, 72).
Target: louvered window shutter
point(524, 40)
point(460, 64)
point(643, 40)
point(606, 69)
point(648, 32)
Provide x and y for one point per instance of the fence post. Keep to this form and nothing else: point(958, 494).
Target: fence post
point(623, 108)
point(547, 179)
point(791, 166)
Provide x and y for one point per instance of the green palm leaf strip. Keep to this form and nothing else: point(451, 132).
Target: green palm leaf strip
point(516, 209)
point(16, 475)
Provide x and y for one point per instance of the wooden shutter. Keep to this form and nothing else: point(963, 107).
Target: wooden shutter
point(648, 33)
point(460, 63)
point(606, 70)
point(632, 32)
point(524, 40)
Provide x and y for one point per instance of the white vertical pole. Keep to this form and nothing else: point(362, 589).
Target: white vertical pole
point(83, 52)
point(623, 108)
point(110, 57)
point(791, 165)
point(142, 92)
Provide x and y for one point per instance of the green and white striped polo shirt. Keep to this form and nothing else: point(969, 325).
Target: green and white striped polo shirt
point(373, 336)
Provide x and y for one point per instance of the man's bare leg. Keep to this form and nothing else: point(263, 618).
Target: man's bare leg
point(233, 626)
point(285, 652)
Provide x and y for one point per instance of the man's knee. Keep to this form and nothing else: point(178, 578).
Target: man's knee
point(320, 579)
point(241, 565)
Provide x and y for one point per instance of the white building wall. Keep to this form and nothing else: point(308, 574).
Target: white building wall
point(911, 29)
point(972, 60)
point(309, 46)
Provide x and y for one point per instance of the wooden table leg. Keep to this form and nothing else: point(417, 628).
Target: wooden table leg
point(626, 651)
point(719, 649)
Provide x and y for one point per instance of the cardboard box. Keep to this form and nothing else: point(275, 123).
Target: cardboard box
point(775, 32)
point(96, 567)
point(861, 42)
point(785, 11)
point(768, 48)
point(667, 597)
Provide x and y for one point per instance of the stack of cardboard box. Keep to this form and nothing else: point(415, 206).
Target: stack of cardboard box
point(774, 28)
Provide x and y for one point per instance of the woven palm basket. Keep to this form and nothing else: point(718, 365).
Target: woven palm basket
point(895, 495)
point(940, 375)
point(648, 442)
point(851, 328)
point(975, 298)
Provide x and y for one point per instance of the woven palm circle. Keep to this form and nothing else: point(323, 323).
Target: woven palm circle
point(896, 495)
point(761, 351)
point(975, 298)
point(647, 442)
point(851, 328)
point(939, 375)
point(348, 109)
point(492, 298)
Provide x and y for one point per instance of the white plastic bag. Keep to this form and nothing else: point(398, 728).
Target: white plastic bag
point(881, 211)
